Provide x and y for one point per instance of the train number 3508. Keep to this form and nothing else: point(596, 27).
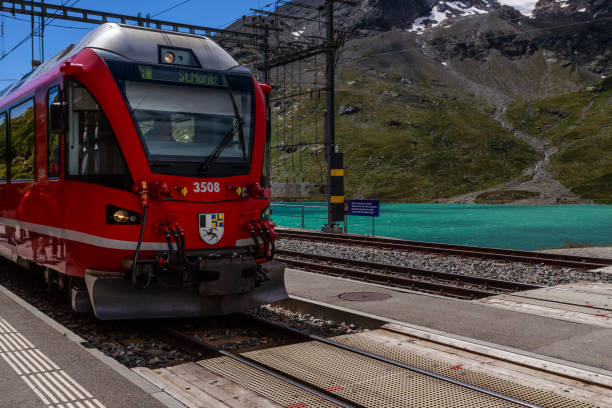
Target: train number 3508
point(206, 187)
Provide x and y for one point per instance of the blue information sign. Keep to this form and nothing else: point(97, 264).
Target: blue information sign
point(367, 208)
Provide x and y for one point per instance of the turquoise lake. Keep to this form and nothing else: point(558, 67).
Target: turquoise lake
point(525, 227)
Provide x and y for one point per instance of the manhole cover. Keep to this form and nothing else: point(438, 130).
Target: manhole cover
point(364, 296)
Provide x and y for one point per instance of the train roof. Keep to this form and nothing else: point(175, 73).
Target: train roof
point(138, 44)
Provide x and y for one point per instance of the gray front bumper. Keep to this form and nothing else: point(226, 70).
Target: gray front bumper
point(115, 298)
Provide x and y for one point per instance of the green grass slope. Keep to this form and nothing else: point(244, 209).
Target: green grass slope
point(580, 125)
point(417, 124)
point(413, 137)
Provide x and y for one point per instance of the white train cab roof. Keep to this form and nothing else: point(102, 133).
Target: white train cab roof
point(137, 44)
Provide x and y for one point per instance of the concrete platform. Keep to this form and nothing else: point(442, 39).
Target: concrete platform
point(586, 303)
point(584, 344)
point(44, 365)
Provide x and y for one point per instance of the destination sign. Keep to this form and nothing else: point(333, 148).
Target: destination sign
point(368, 208)
point(183, 76)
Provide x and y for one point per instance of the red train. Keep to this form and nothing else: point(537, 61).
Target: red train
point(132, 171)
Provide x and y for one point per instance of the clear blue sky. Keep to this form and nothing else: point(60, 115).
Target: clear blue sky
point(210, 13)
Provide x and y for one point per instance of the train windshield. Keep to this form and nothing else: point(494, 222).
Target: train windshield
point(193, 130)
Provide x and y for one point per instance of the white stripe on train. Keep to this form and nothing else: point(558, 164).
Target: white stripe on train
point(94, 240)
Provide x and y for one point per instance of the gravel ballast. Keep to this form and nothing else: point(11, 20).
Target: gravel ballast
point(135, 343)
point(538, 274)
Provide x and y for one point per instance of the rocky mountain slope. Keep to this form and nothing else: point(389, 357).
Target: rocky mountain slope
point(462, 101)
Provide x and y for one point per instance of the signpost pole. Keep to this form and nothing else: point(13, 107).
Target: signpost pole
point(373, 218)
point(364, 208)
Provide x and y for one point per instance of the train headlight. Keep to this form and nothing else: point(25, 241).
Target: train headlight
point(117, 215)
point(169, 57)
point(121, 217)
point(178, 56)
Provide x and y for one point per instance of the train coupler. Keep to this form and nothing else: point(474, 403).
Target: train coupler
point(233, 276)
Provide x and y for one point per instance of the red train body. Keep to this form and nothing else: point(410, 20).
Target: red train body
point(136, 127)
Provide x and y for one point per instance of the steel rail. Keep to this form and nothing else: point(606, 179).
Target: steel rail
point(386, 279)
point(193, 343)
point(460, 250)
point(398, 363)
point(498, 284)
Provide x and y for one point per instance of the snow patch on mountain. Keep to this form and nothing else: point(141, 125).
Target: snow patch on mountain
point(525, 7)
point(441, 12)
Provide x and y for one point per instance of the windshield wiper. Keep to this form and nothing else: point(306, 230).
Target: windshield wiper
point(240, 124)
point(215, 154)
point(240, 121)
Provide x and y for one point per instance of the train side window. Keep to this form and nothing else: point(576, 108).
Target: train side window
point(93, 151)
point(21, 142)
point(2, 147)
point(53, 139)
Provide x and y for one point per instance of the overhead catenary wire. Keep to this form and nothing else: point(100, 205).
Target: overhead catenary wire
point(45, 22)
point(466, 42)
point(170, 8)
point(2, 42)
point(291, 85)
point(289, 114)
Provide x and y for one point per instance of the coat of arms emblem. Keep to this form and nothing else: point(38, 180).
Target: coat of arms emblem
point(211, 227)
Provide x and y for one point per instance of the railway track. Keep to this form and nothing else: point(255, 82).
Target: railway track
point(448, 249)
point(441, 283)
point(340, 395)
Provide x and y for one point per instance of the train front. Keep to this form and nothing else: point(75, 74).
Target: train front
point(195, 146)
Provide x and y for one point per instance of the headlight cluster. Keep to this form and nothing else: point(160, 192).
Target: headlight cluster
point(121, 216)
point(169, 57)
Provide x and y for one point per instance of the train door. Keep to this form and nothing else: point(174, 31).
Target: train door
point(55, 245)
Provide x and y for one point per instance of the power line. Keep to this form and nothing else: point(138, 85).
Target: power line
point(34, 8)
point(15, 47)
point(171, 8)
point(2, 42)
point(31, 7)
point(51, 25)
point(30, 35)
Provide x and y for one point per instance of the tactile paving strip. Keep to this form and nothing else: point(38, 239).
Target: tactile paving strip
point(509, 388)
